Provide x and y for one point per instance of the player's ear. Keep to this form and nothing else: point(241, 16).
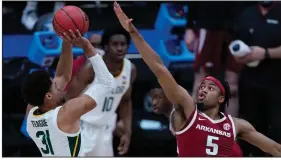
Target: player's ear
point(221, 99)
point(48, 96)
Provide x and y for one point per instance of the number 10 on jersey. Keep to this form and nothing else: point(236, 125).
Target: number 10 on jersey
point(107, 105)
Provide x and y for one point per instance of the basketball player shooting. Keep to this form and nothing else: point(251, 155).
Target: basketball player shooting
point(98, 125)
point(201, 127)
point(52, 125)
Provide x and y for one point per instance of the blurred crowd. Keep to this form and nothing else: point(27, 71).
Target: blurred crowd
point(210, 28)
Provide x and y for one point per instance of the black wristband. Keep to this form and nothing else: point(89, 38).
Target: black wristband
point(266, 54)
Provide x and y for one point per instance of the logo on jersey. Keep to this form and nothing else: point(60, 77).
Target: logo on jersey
point(226, 126)
point(201, 119)
point(124, 79)
point(212, 130)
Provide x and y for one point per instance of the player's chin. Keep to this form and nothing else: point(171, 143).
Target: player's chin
point(201, 101)
point(119, 56)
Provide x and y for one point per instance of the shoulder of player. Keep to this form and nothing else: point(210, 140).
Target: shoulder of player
point(242, 125)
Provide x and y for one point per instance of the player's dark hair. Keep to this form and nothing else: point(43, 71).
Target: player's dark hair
point(35, 87)
point(227, 95)
point(109, 32)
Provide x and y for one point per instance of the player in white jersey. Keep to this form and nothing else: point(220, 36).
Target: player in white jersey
point(98, 125)
point(52, 125)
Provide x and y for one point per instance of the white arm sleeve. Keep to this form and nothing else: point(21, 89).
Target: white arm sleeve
point(105, 80)
point(102, 74)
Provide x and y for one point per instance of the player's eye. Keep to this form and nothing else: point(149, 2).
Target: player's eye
point(211, 88)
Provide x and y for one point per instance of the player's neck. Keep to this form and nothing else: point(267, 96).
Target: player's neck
point(213, 113)
point(111, 64)
point(43, 109)
point(47, 106)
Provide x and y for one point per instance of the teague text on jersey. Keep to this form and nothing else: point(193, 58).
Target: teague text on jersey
point(118, 90)
point(39, 123)
point(212, 130)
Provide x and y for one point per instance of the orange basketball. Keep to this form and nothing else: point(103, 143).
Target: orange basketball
point(70, 17)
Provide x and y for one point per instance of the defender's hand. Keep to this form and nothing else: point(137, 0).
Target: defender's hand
point(123, 18)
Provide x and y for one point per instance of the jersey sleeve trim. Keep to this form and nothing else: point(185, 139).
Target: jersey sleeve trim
point(55, 123)
point(190, 123)
point(170, 123)
point(233, 126)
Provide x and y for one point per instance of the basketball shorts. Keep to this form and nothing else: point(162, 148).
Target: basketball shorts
point(97, 140)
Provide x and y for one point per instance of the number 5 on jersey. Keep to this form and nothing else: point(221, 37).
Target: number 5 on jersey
point(107, 105)
point(212, 148)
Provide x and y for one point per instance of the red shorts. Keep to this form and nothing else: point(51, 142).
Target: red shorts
point(215, 52)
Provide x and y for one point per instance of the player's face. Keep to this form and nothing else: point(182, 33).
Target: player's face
point(160, 102)
point(55, 95)
point(209, 94)
point(117, 47)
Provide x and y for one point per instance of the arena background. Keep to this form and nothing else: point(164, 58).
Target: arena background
point(24, 50)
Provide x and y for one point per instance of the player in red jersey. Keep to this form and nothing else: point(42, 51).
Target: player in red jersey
point(202, 129)
point(161, 105)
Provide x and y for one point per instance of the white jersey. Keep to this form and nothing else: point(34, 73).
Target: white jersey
point(50, 140)
point(104, 113)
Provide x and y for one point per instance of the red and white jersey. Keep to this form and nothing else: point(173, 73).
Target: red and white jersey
point(236, 150)
point(203, 136)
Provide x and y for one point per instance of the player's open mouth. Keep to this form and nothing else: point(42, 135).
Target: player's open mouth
point(201, 96)
point(155, 108)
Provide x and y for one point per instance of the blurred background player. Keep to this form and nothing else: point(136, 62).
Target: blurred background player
point(202, 123)
point(101, 122)
point(207, 34)
point(259, 26)
point(52, 125)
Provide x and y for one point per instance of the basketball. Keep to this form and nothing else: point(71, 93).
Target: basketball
point(70, 17)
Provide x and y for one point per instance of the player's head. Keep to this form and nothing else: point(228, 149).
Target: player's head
point(160, 103)
point(95, 40)
point(115, 42)
point(213, 92)
point(39, 89)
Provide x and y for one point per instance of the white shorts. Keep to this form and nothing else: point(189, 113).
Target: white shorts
point(97, 140)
